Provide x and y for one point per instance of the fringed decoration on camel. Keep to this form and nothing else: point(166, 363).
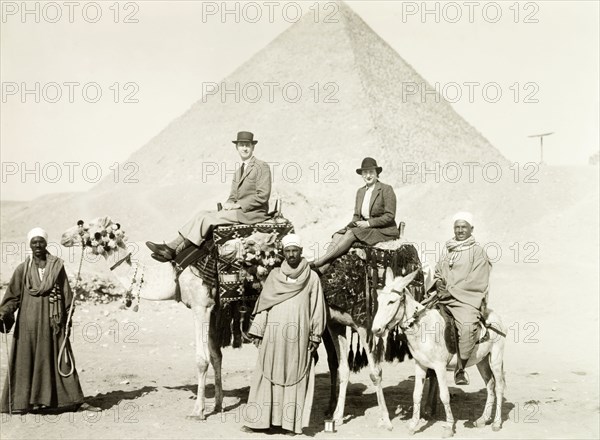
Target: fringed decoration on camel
point(236, 261)
point(351, 286)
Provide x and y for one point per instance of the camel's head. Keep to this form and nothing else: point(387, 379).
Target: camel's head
point(391, 302)
point(101, 236)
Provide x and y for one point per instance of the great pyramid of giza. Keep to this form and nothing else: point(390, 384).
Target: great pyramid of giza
point(372, 113)
point(315, 143)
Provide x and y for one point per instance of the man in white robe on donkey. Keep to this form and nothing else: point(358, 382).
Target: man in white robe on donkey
point(462, 281)
point(289, 319)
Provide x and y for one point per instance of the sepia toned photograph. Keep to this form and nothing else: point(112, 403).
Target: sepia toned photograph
point(329, 219)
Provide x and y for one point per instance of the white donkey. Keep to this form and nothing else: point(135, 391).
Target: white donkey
point(159, 285)
point(396, 306)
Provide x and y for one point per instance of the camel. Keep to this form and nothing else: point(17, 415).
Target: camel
point(338, 321)
point(396, 306)
point(159, 285)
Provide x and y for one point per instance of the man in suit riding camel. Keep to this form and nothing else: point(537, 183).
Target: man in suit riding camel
point(248, 203)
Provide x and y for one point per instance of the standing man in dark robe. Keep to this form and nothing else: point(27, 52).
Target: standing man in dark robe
point(39, 289)
point(248, 203)
point(462, 281)
point(289, 318)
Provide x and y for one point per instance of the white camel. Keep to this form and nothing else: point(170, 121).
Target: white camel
point(159, 285)
point(396, 306)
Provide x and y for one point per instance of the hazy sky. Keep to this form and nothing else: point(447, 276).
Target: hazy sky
point(551, 52)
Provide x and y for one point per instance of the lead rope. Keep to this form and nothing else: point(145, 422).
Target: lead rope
point(9, 369)
point(61, 352)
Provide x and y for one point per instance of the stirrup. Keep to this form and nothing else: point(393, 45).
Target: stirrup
point(461, 381)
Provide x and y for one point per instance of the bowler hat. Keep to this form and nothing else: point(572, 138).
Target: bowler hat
point(369, 163)
point(245, 136)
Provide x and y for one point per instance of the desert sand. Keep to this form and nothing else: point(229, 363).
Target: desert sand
point(139, 367)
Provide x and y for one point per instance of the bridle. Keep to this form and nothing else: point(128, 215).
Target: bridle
point(134, 280)
point(402, 323)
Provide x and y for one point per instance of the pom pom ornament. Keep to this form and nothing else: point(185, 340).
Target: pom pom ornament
point(102, 240)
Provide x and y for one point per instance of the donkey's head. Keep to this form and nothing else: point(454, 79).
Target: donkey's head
point(391, 302)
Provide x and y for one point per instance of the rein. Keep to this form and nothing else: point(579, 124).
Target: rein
point(61, 352)
point(407, 323)
point(118, 263)
point(428, 303)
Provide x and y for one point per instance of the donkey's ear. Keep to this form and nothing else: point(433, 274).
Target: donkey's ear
point(402, 282)
point(389, 276)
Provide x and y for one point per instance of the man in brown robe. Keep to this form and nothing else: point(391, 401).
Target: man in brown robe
point(289, 318)
point(462, 281)
point(39, 289)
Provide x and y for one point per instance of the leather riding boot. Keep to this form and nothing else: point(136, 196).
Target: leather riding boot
point(161, 250)
point(460, 375)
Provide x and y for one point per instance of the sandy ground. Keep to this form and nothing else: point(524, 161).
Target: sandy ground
point(139, 368)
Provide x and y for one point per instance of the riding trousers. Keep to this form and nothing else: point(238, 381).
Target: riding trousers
point(467, 325)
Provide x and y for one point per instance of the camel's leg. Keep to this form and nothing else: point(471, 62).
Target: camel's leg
point(497, 366)
point(201, 324)
point(332, 361)
point(420, 373)
point(214, 347)
point(440, 372)
point(375, 375)
point(341, 347)
point(488, 378)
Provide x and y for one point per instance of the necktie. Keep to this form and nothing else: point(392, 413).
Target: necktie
point(242, 170)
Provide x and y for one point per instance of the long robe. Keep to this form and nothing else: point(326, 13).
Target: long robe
point(282, 386)
point(34, 377)
point(467, 280)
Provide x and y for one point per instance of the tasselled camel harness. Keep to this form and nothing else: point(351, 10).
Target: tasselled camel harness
point(134, 280)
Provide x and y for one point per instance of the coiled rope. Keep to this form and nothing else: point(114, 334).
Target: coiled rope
point(63, 346)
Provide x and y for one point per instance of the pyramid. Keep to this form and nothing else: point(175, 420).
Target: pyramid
point(362, 109)
point(351, 106)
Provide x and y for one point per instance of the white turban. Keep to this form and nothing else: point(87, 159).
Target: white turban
point(463, 215)
point(291, 240)
point(37, 232)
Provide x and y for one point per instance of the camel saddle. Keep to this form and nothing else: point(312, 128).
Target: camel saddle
point(225, 275)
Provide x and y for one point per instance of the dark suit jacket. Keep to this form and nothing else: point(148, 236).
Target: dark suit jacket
point(382, 213)
point(252, 191)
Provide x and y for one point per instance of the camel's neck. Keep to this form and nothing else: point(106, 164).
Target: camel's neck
point(124, 271)
point(158, 280)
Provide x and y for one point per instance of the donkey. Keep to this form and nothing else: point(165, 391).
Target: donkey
point(396, 306)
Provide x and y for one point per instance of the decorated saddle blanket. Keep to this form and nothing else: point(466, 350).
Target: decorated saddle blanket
point(238, 258)
point(352, 280)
